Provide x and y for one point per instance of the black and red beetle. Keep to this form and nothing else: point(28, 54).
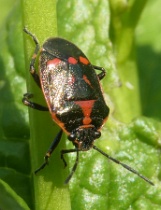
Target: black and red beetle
point(73, 95)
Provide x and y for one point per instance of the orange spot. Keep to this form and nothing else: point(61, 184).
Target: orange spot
point(54, 62)
point(86, 120)
point(83, 60)
point(72, 60)
point(86, 80)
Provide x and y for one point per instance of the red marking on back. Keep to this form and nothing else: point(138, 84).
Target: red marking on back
point(83, 60)
point(53, 62)
point(87, 120)
point(72, 60)
point(86, 107)
point(86, 79)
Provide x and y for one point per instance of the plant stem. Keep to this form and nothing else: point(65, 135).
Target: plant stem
point(39, 17)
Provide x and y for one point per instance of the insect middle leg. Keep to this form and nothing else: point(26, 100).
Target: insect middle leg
point(26, 101)
point(103, 71)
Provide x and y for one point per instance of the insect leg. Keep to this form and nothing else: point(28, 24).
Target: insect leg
point(33, 60)
point(27, 102)
point(50, 151)
point(102, 74)
point(75, 164)
point(65, 151)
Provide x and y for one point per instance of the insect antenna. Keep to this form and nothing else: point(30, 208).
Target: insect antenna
point(124, 165)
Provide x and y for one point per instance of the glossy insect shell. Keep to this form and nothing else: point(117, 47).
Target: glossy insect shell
point(71, 86)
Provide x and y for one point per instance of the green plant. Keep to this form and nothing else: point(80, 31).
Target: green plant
point(105, 31)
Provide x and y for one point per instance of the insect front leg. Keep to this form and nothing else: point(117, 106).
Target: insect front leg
point(65, 163)
point(33, 59)
point(26, 101)
point(50, 151)
point(65, 151)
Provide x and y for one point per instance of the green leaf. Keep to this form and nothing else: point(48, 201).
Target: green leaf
point(9, 199)
point(98, 184)
point(14, 131)
point(149, 50)
point(104, 30)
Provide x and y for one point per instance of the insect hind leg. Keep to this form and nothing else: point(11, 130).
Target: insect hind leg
point(33, 59)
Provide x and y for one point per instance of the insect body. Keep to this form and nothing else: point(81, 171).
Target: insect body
point(72, 91)
point(73, 94)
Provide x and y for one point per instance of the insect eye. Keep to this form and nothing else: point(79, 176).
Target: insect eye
point(71, 137)
point(97, 134)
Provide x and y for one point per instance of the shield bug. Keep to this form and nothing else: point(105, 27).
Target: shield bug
point(73, 95)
